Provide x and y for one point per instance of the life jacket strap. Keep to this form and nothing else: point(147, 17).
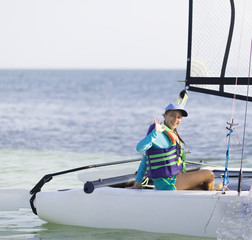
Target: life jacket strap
point(169, 134)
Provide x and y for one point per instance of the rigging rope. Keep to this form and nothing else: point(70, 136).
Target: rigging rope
point(238, 61)
point(226, 175)
point(230, 128)
point(245, 121)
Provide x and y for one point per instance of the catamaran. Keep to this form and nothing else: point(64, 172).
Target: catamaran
point(218, 63)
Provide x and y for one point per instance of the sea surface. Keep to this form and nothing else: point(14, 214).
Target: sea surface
point(53, 120)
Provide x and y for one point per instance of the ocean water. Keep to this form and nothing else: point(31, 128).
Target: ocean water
point(53, 120)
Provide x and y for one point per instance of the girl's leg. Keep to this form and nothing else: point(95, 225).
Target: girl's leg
point(200, 180)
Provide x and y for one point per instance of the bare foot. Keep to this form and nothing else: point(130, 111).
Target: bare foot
point(218, 187)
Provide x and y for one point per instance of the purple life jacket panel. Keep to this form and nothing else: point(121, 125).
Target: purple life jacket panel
point(163, 163)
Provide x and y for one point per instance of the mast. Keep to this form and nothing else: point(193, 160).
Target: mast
point(189, 45)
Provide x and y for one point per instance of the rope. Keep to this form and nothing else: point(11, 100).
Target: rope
point(230, 128)
point(226, 174)
point(245, 120)
point(238, 62)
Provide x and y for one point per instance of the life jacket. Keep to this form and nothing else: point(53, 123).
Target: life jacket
point(165, 163)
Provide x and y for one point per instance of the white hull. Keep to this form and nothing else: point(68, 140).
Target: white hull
point(195, 213)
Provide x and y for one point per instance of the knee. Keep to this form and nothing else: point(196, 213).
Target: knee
point(209, 175)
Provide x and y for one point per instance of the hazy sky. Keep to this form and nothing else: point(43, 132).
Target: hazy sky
point(111, 34)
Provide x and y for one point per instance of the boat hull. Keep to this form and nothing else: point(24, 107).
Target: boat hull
point(195, 213)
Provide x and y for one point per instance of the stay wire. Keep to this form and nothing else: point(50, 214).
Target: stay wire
point(245, 121)
point(238, 62)
point(231, 124)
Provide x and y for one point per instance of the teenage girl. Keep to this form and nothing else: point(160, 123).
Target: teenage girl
point(164, 158)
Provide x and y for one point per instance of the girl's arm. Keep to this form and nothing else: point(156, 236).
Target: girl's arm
point(143, 146)
point(147, 142)
point(141, 170)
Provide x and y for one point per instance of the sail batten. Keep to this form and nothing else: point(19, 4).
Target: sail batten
point(221, 94)
point(220, 81)
point(219, 38)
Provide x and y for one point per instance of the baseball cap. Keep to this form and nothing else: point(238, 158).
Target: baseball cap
point(175, 106)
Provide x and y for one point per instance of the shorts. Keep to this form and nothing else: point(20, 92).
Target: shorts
point(165, 183)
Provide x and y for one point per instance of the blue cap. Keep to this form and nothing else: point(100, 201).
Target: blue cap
point(175, 106)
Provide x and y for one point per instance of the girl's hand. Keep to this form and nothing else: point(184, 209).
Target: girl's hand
point(137, 185)
point(159, 127)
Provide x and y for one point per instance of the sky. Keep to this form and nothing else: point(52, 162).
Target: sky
point(93, 34)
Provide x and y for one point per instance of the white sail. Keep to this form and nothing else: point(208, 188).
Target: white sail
point(219, 46)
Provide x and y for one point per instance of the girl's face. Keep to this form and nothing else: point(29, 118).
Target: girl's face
point(173, 118)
